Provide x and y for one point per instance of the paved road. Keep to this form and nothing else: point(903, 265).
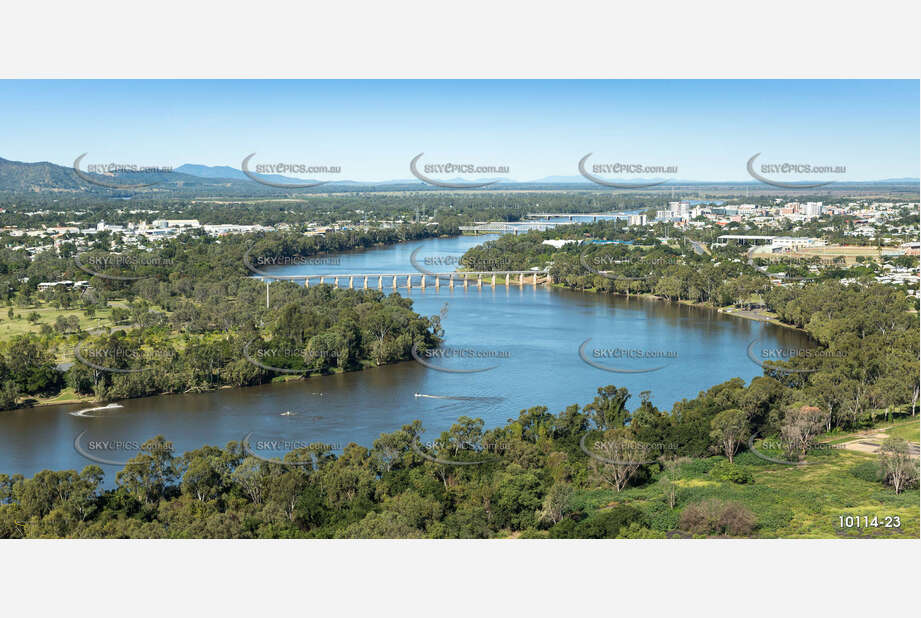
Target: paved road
point(699, 248)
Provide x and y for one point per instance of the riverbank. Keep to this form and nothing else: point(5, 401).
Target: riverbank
point(68, 396)
point(755, 315)
point(765, 317)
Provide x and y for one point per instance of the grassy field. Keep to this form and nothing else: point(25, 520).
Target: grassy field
point(787, 501)
point(906, 431)
point(882, 424)
point(67, 395)
point(20, 325)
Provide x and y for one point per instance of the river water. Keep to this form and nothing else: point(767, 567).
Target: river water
point(524, 343)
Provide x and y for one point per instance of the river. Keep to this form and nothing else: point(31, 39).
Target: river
point(531, 336)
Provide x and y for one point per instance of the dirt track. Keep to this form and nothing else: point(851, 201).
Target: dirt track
point(870, 442)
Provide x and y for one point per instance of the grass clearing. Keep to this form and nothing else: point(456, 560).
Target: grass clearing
point(787, 501)
point(20, 325)
point(907, 431)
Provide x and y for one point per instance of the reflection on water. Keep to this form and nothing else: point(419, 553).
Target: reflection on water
point(539, 330)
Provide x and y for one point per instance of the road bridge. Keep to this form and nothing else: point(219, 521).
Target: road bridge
point(571, 215)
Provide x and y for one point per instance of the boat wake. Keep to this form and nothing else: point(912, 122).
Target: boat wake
point(84, 412)
point(460, 398)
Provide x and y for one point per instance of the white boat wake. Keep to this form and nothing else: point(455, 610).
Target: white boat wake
point(459, 398)
point(84, 411)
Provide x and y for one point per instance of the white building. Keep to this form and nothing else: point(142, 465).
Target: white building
point(790, 243)
point(812, 209)
point(558, 242)
point(223, 229)
point(162, 223)
point(637, 220)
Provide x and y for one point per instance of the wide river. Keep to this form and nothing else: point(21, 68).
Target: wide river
point(531, 338)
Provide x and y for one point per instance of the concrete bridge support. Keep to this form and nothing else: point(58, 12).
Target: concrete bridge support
point(394, 283)
point(380, 283)
point(306, 282)
point(494, 280)
point(423, 281)
point(351, 282)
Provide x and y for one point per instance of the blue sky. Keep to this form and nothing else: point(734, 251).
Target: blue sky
point(372, 129)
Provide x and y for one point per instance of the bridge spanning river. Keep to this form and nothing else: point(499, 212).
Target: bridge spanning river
point(546, 221)
point(579, 215)
point(406, 280)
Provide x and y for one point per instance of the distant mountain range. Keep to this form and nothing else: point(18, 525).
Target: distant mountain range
point(22, 177)
point(18, 176)
point(230, 173)
point(214, 171)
